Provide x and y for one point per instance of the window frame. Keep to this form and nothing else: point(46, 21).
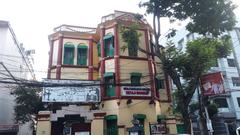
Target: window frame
point(133, 50)
point(231, 62)
point(135, 78)
point(111, 123)
point(224, 105)
point(238, 100)
point(82, 60)
point(160, 83)
point(109, 83)
point(236, 81)
point(68, 61)
point(108, 45)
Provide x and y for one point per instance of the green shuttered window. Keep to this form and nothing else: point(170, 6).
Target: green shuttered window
point(136, 79)
point(140, 118)
point(159, 83)
point(133, 50)
point(68, 54)
point(109, 84)
point(82, 55)
point(111, 122)
point(109, 45)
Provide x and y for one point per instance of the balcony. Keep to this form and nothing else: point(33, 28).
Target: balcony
point(71, 28)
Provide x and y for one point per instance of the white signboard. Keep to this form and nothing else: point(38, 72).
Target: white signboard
point(71, 91)
point(139, 91)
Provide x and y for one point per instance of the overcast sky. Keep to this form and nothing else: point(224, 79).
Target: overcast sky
point(33, 20)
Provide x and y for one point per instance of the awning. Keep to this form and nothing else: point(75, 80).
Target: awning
point(108, 74)
point(161, 117)
point(82, 46)
point(108, 36)
point(69, 45)
point(139, 116)
point(111, 117)
point(136, 74)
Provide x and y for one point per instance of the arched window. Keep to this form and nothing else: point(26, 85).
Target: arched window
point(109, 45)
point(68, 53)
point(82, 54)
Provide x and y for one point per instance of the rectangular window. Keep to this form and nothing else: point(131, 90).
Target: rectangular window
point(99, 49)
point(221, 102)
point(112, 128)
point(160, 83)
point(68, 55)
point(180, 44)
point(236, 81)
point(231, 62)
point(238, 100)
point(109, 85)
point(140, 118)
point(82, 56)
point(133, 50)
point(136, 79)
point(109, 45)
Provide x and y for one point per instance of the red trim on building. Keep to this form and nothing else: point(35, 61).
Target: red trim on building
point(77, 38)
point(50, 59)
point(59, 59)
point(133, 58)
point(90, 60)
point(153, 89)
point(117, 61)
point(99, 114)
point(102, 68)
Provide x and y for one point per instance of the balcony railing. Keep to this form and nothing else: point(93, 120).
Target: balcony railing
point(72, 28)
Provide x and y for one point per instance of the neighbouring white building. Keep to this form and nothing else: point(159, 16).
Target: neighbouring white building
point(14, 64)
point(229, 103)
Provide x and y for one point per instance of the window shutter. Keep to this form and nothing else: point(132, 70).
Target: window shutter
point(82, 55)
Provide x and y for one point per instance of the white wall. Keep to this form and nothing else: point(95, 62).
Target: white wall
point(11, 57)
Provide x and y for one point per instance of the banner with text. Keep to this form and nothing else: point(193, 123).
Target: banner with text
point(71, 91)
point(138, 91)
point(212, 84)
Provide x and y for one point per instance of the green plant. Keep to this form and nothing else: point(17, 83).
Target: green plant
point(130, 36)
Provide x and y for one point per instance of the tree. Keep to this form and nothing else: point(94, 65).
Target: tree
point(206, 18)
point(28, 103)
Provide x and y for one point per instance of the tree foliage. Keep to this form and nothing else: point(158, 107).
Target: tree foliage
point(130, 36)
point(28, 103)
point(207, 17)
point(199, 57)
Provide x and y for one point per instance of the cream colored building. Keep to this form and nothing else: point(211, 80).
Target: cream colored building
point(133, 86)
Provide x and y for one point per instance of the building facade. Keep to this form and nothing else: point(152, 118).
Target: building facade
point(228, 103)
point(132, 85)
point(14, 63)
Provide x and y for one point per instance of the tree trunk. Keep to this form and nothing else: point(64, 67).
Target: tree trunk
point(186, 119)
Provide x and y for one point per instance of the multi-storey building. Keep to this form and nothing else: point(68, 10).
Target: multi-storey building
point(132, 84)
point(228, 103)
point(14, 64)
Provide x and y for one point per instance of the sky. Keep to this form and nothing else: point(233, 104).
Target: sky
point(33, 20)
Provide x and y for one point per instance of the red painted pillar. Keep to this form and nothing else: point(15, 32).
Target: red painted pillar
point(90, 59)
point(117, 61)
point(50, 59)
point(59, 59)
point(150, 66)
point(102, 61)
